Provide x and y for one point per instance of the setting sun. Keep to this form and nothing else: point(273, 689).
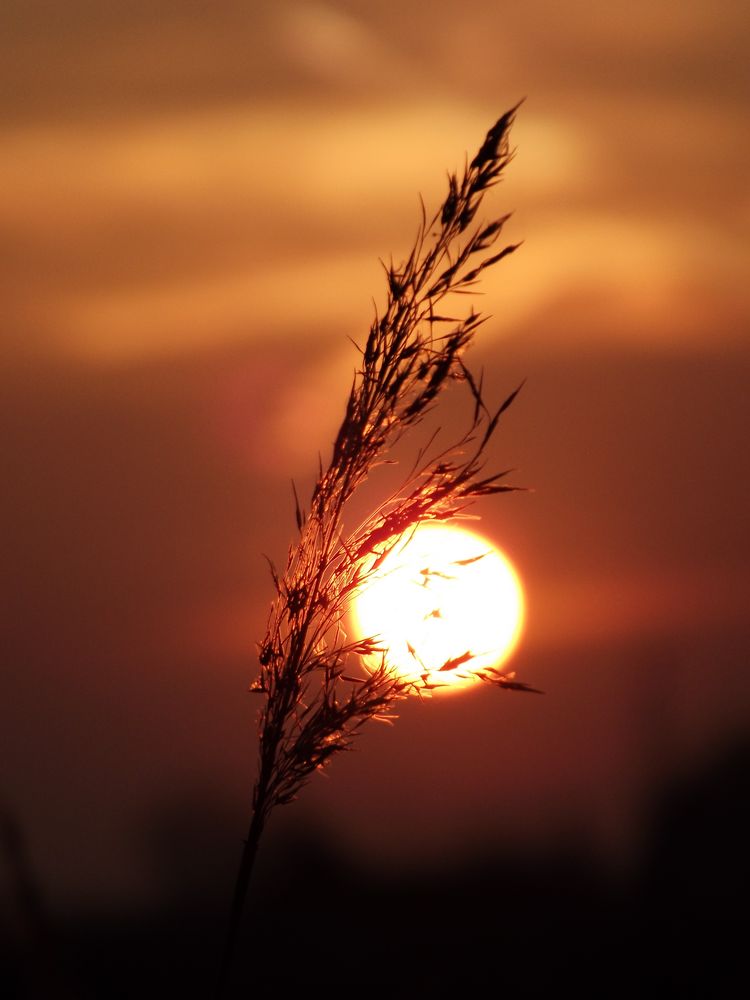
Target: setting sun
point(445, 604)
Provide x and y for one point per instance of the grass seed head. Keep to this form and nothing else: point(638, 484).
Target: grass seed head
point(315, 699)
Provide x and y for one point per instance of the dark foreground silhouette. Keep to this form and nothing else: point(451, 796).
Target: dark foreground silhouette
point(513, 925)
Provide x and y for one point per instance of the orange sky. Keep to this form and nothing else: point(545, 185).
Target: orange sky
point(193, 202)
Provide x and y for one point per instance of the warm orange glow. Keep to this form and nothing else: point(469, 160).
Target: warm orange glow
point(444, 593)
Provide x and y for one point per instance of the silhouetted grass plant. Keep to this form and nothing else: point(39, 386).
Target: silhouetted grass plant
point(314, 697)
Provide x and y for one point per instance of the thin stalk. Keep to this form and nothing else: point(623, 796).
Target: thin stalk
point(247, 862)
point(244, 873)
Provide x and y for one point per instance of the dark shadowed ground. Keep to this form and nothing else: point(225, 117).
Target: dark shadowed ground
point(529, 924)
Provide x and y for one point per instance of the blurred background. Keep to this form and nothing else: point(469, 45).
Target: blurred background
point(193, 200)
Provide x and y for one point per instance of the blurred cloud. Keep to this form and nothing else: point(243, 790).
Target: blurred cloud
point(334, 45)
point(163, 235)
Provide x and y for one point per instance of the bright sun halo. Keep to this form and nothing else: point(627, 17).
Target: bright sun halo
point(443, 594)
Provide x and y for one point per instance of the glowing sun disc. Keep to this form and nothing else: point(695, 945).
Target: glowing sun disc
point(443, 593)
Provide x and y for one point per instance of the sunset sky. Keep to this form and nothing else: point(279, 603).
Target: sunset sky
point(193, 201)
